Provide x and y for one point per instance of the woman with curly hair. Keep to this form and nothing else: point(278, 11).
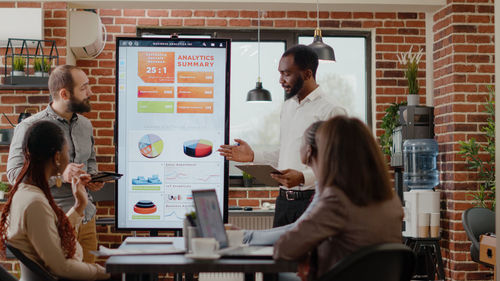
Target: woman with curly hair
point(33, 223)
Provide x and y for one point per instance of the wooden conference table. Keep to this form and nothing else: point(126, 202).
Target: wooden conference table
point(136, 267)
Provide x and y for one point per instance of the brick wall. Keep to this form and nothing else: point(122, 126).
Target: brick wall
point(462, 71)
point(13, 102)
point(464, 66)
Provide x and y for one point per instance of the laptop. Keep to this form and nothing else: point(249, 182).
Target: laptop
point(210, 224)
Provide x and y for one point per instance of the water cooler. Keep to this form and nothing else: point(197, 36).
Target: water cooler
point(421, 202)
point(413, 158)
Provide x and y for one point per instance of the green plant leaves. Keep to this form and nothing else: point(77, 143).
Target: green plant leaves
point(19, 63)
point(471, 151)
point(389, 122)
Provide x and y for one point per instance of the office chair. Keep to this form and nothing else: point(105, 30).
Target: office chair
point(30, 270)
point(382, 262)
point(5, 275)
point(476, 222)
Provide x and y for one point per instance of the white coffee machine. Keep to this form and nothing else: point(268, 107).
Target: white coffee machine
point(418, 201)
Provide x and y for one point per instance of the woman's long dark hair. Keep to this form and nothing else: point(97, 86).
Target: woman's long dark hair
point(350, 159)
point(41, 142)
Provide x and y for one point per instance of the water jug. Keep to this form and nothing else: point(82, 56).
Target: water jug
point(420, 171)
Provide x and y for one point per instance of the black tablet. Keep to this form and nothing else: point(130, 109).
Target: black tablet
point(105, 176)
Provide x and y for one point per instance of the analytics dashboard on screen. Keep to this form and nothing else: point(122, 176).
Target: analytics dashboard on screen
point(172, 115)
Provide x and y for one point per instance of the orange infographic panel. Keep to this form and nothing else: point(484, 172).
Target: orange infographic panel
point(195, 92)
point(195, 107)
point(155, 92)
point(195, 77)
point(156, 67)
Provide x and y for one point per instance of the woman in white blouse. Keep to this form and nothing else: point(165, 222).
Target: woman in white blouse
point(33, 223)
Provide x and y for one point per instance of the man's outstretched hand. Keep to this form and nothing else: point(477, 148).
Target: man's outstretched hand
point(239, 153)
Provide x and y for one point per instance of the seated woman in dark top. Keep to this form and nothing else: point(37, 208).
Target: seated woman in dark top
point(356, 205)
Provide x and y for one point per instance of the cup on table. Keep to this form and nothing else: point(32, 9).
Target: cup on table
point(434, 224)
point(235, 237)
point(423, 225)
point(188, 232)
point(204, 246)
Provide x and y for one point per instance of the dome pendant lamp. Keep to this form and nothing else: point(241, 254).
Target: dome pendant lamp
point(324, 52)
point(258, 94)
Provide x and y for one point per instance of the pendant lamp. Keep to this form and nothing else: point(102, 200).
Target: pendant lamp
point(258, 94)
point(324, 51)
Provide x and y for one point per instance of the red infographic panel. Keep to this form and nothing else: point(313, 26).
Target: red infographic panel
point(157, 67)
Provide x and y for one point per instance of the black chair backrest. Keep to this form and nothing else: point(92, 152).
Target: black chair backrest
point(382, 262)
point(477, 221)
point(29, 267)
point(5, 275)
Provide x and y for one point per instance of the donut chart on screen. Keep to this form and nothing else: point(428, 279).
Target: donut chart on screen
point(198, 148)
point(151, 146)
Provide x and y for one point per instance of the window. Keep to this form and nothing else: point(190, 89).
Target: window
point(347, 80)
point(256, 123)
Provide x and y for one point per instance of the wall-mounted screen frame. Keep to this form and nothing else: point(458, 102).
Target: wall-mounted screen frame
point(172, 113)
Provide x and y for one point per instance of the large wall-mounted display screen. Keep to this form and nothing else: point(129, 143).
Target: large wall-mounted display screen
point(172, 114)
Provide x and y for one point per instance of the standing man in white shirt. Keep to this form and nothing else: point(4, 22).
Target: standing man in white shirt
point(305, 103)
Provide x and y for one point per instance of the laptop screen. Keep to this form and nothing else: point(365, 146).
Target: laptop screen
point(210, 223)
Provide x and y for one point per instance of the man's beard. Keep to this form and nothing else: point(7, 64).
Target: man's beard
point(79, 106)
point(295, 89)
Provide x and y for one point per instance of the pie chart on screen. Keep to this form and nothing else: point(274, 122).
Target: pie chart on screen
point(198, 148)
point(151, 146)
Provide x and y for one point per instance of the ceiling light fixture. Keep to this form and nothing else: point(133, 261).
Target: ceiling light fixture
point(324, 51)
point(258, 94)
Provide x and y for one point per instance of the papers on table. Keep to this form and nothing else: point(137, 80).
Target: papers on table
point(148, 240)
point(103, 251)
point(163, 246)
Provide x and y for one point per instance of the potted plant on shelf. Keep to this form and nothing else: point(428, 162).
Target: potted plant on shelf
point(389, 122)
point(410, 62)
point(18, 65)
point(4, 187)
point(42, 67)
point(247, 179)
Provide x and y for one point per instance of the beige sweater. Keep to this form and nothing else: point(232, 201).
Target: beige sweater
point(335, 227)
point(33, 230)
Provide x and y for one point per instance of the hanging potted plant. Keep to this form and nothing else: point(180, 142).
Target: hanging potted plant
point(42, 67)
point(410, 62)
point(18, 66)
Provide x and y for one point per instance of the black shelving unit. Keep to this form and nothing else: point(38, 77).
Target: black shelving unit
point(30, 50)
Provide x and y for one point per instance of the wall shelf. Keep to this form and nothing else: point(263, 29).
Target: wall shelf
point(30, 63)
point(23, 87)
